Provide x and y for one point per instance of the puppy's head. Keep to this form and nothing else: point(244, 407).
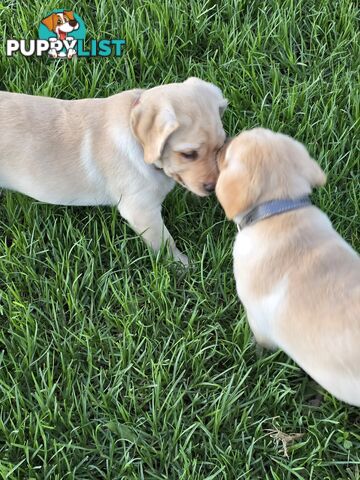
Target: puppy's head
point(61, 23)
point(260, 165)
point(180, 129)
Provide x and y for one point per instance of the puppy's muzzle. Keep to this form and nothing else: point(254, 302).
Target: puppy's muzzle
point(209, 187)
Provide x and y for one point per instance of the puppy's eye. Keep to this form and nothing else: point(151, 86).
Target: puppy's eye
point(190, 155)
point(59, 22)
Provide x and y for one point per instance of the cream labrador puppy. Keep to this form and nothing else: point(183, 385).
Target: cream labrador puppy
point(125, 150)
point(297, 278)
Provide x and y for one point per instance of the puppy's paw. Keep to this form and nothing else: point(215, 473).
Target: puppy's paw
point(180, 257)
point(260, 350)
point(263, 343)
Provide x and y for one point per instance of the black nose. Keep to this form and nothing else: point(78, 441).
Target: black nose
point(209, 187)
point(73, 23)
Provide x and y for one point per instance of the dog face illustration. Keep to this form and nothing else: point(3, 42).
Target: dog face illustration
point(61, 23)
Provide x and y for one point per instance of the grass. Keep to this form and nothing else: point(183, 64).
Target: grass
point(115, 364)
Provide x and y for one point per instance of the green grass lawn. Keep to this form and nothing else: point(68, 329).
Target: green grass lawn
point(115, 364)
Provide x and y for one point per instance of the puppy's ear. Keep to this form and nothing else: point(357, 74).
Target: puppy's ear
point(313, 173)
point(238, 188)
point(69, 14)
point(223, 106)
point(152, 126)
point(305, 166)
point(50, 22)
point(215, 91)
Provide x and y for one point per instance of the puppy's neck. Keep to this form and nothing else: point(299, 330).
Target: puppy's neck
point(296, 189)
point(270, 209)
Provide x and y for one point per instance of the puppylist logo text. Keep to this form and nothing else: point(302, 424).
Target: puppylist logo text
point(62, 35)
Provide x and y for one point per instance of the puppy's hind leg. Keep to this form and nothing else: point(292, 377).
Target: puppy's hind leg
point(147, 221)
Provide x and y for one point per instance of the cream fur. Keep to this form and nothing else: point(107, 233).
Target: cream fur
point(297, 278)
point(91, 151)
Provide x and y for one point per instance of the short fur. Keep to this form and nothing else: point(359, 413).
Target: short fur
point(297, 278)
point(91, 151)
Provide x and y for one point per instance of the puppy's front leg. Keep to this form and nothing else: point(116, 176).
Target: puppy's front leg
point(149, 223)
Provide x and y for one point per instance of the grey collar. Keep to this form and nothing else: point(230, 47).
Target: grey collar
point(271, 208)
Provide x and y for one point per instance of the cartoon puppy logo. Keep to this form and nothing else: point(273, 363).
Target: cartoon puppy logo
point(61, 23)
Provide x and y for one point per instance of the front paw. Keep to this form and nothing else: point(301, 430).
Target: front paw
point(180, 257)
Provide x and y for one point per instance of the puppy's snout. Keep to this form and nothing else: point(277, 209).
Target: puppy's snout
point(209, 187)
point(73, 23)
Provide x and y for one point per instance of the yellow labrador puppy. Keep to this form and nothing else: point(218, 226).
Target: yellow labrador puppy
point(297, 278)
point(126, 150)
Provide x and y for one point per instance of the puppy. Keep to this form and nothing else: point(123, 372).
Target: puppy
point(297, 278)
point(126, 150)
point(62, 24)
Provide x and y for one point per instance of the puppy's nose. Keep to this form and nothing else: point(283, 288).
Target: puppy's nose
point(209, 187)
point(73, 23)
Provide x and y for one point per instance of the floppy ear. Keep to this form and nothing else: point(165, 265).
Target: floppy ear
point(313, 173)
point(223, 106)
point(305, 166)
point(69, 14)
point(223, 103)
point(153, 127)
point(50, 22)
point(237, 189)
